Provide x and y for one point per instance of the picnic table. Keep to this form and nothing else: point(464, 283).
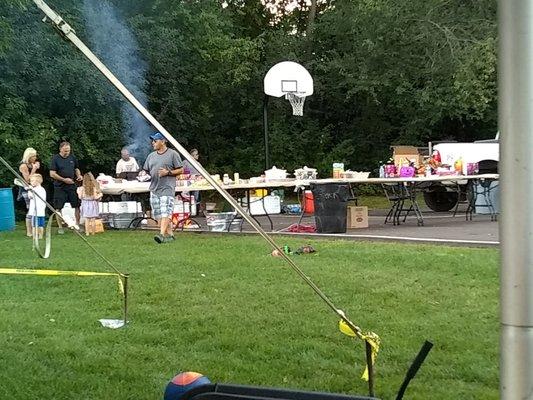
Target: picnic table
point(399, 190)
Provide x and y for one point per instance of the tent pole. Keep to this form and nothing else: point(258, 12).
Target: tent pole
point(515, 80)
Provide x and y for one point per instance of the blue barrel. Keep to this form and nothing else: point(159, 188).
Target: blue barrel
point(7, 210)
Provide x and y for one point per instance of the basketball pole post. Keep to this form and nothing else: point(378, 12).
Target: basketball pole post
point(265, 131)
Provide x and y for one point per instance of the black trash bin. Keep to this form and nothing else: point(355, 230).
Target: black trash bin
point(330, 206)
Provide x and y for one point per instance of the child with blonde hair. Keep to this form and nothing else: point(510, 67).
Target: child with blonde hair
point(37, 207)
point(90, 195)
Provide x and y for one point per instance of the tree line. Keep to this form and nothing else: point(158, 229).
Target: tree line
point(385, 72)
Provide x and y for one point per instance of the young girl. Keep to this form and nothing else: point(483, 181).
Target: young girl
point(90, 194)
point(37, 208)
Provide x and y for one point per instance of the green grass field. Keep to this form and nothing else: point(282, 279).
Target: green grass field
point(221, 305)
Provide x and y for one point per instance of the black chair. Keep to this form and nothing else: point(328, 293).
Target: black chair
point(219, 391)
point(187, 221)
point(402, 199)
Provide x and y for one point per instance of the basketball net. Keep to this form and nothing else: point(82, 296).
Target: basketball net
point(297, 103)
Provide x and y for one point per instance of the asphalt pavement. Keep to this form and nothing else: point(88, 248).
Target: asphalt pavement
point(439, 227)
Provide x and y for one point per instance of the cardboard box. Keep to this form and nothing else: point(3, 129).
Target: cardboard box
point(409, 153)
point(357, 217)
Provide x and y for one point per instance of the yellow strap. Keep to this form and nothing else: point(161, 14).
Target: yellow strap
point(47, 240)
point(370, 337)
point(374, 341)
point(120, 285)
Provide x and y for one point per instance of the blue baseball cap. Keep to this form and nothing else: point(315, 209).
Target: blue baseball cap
point(157, 136)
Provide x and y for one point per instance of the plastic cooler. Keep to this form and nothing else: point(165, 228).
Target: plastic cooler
point(7, 210)
point(122, 213)
point(263, 205)
point(220, 222)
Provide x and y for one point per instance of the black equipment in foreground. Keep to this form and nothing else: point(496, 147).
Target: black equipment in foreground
point(415, 366)
point(219, 391)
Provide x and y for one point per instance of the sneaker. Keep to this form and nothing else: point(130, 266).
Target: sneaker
point(60, 231)
point(159, 238)
point(170, 238)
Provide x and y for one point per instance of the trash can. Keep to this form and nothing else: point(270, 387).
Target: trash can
point(330, 201)
point(7, 210)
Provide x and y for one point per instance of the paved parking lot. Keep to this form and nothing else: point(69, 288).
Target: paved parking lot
point(438, 228)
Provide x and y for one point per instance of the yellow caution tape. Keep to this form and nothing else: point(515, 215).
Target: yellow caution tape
point(370, 337)
point(50, 272)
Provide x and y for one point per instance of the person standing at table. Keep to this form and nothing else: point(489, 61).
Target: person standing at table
point(126, 163)
point(28, 166)
point(189, 169)
point(64, 171)
point(126, 168)
point(163, 165)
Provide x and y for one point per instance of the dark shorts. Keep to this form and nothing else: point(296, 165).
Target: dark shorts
point(65, 194)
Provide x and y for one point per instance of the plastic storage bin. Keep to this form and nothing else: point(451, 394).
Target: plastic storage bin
point(220, 222)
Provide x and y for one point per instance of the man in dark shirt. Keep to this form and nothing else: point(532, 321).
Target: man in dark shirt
point(64, 171)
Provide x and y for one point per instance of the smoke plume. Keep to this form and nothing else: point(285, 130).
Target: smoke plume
point(115, 45)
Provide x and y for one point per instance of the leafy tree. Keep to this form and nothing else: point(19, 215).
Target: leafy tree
point(385, 72)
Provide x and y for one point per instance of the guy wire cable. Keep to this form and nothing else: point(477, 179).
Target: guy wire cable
point(68, 33)
point(54, 212)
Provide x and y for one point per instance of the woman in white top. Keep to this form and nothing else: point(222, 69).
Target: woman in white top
point(28, 165)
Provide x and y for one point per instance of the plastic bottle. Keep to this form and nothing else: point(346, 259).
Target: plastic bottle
point(381, 170)
point(428, 169)
point(225, 179)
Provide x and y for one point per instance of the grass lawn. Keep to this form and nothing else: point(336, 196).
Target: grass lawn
point(220, 305)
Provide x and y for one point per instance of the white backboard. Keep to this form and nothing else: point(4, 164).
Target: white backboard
point(288, 77)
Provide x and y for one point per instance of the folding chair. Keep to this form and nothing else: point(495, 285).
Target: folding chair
point(398, 195)
point(183, 220)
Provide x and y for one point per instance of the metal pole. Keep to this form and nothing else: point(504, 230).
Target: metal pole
point(370, 366)
point(516, 125)
point(125, 284)
point(265, 131)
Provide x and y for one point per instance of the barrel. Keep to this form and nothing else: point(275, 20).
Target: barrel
point(7, 210)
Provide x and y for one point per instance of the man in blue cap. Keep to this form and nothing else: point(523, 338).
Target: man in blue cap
point(163, 165)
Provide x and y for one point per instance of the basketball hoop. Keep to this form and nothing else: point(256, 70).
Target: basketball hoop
point(297, 102)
